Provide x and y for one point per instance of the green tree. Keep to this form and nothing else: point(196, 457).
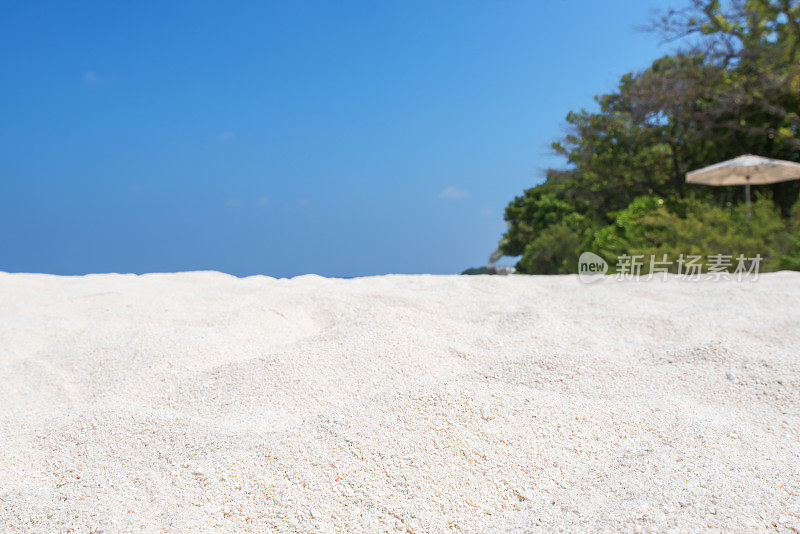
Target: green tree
point(734, 90)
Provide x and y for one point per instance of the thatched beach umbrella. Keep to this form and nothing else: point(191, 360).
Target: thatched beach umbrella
point(746, 170)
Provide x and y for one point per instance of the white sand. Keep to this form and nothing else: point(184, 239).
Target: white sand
point(201, 402)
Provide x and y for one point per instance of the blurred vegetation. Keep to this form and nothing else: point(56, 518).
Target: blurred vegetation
point(732, 89)
point(477, 270)
point(651, 226)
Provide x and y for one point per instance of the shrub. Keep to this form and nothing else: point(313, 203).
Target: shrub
point(651, 226)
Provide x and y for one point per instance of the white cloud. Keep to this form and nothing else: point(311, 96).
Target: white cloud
point(233, 203)
point(453, 192)
point(264, 201)
point(89, 77)
point(487, 211)
point(227, 136)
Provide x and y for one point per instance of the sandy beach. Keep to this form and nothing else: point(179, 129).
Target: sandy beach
point(203, 402)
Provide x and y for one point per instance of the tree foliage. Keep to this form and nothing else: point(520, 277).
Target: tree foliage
point(651, 227)
point(733, 87)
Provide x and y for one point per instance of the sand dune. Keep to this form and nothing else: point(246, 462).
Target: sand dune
point(204, 402)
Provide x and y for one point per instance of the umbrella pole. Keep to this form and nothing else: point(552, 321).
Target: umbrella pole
point(747, 197)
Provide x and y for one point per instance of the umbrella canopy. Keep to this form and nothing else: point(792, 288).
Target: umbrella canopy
point(746, 170)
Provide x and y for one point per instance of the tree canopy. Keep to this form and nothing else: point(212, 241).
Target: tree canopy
point(732, 87)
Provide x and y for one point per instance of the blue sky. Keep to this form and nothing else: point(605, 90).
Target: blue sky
point(283, 138)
